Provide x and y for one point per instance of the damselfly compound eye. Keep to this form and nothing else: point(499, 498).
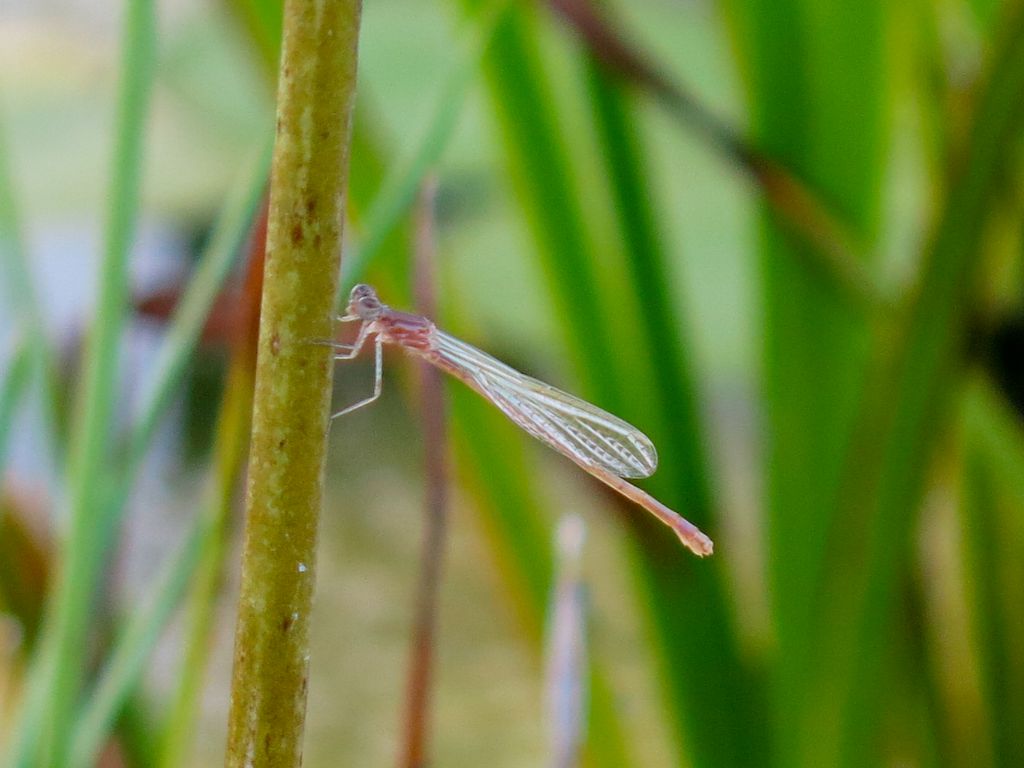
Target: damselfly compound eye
point(363, 302)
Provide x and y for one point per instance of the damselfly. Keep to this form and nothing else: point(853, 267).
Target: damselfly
point(602, 444)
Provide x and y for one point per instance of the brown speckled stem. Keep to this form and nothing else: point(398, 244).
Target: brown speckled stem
point(293, 379)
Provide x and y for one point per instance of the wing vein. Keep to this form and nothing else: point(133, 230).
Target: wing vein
point(572, 426)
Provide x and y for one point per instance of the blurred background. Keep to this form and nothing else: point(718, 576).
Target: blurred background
point(782, 238)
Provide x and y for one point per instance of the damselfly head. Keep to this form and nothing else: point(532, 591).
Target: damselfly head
point(363, 303)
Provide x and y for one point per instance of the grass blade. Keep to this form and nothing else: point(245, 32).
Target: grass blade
point(994, 492)
point(57, 674)
point(183, 333)
point(677, 429)
point(491, 457)
point(675, 426)
point(832, 250)
point(136, 640)
point(394, 200)
point(815, 79)
point(232, 439)
point(22, 296)
point(229, 233)
point(906, 410)
point(18, 372)
point(700, 660)
point(538, 159)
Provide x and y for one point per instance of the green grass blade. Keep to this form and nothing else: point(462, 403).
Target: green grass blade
point(676, 429)
point(13, 253)
point(261, 20)
point(701, 665)
point(18, 372)
point(394, 200)
point(907, 408)
point(491, 458)
point(22, 296)
point(513, 517)
point(832, 250)
point(538, 160)
point(231, 443)
point(183, 333)
point(993, 536)
point(699, 702)
point(184, 330)
point(57, 678)
point(202, 551)
point(130, 652)
point(815, 78)
point(229, 234)
point(17, 282)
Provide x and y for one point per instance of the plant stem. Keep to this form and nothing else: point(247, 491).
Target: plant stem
point(293, 379)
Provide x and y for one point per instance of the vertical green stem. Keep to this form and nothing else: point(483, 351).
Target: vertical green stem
point(293, 378)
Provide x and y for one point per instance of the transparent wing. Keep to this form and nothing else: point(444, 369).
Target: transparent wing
point(571, 426)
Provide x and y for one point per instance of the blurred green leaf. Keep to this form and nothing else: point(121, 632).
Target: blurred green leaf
point(816, 82)
point(182, 335)
point(127, 658)
point(905, 412)
point(58, 671)
point(711, 691)
point(538, 160)
point(394, 200)
point(215, 263)
point(993, 539)
point(17, 371)
point(700, 701)
point(231, 444)
point(261, 20)
point(21, 294)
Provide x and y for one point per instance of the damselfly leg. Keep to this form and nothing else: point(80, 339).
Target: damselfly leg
point(350, 351)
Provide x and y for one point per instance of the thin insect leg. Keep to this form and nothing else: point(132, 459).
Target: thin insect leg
point(378, 378)
point(348, 351)
point(353, 349)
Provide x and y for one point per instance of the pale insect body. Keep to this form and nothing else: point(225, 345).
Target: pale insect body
point(604, 445)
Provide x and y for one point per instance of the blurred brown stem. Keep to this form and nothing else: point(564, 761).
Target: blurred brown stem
point(414, 752)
